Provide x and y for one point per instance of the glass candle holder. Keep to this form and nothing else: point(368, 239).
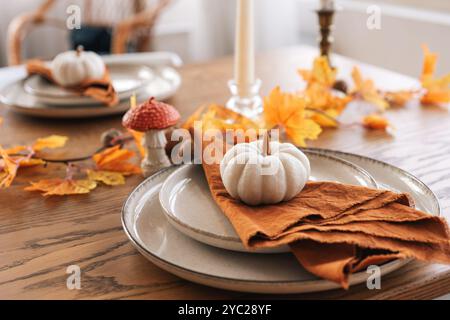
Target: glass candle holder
point(246, 102)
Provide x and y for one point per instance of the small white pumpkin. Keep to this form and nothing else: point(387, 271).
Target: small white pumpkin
point(264, 173)
point(73, 67)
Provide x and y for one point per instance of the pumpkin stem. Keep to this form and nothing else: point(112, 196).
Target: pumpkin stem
point(266, 144)
point(80, 49)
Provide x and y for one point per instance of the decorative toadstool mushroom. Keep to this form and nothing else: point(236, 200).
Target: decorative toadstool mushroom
point(152, 117)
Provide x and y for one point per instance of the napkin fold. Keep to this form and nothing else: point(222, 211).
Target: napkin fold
point(335, 229)
point(101, 90)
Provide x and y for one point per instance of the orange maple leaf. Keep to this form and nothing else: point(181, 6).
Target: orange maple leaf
point(115, 159)
point(61, 187)
point(366, 90)
point(8, 167)
point(437, 91)
point(288, 111)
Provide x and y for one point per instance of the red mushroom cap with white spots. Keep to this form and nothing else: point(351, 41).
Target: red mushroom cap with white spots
point(151, 115)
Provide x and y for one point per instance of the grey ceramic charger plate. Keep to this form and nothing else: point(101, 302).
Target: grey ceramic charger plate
point(162, 83)
point(188, 216)
point(146, 226)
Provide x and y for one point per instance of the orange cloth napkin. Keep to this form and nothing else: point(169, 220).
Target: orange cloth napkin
point(101, 90)
point(335, 229)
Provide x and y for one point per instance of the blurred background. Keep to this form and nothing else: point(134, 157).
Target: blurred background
point(200, 30)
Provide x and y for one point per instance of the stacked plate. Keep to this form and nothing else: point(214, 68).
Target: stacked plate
point(173, 221)
point(36, 96)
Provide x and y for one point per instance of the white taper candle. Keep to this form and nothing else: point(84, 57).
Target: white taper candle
point(244, 65)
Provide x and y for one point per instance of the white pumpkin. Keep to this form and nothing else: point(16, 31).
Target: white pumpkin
point(261, 173)
point(73, 67)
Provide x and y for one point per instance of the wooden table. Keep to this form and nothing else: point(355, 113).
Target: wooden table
point(40, 237)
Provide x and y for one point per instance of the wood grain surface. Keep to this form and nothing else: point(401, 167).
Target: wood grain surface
point(40, 237)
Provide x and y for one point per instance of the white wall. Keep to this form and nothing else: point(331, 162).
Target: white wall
point(397, 45)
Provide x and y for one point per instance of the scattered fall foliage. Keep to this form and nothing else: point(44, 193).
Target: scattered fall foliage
point(437, 90)
point(9, 169)
point(323, 104)
point(115, 159)
point(62, 187)
point(287, 111)
point(301, 116)
point(107, 177)
point(110, 166)
point(366, 90)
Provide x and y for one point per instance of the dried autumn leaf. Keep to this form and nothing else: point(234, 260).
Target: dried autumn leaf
point(376, 122)
point(218, 117)
point(321, 73)
point(138, 140)
point(437, 91)
point(25, 162)
point(288, 111)
point(116, 159)
point(50, 142)
point(8, 168)
point(325, 119)
point(322, 103)
point(196, 116)
point(137, 136)
point(399, 98)
point(107, 177)
point(61, 187)
point(16, 149)
point(365, 88)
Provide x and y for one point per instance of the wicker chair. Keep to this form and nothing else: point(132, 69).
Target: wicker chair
point(128, 19)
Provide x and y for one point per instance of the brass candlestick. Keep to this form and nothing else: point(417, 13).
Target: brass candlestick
point(326, 27)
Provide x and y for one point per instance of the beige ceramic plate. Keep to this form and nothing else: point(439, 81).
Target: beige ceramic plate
point(146, 226)
point(187, 202)
point(164, 84)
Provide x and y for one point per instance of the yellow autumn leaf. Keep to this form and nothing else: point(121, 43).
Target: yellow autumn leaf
point(107, 177)
point(218, 117)
point(321, 73)
point(325, 119)
point(116, 159)
point(288, 111)
point(8, 167)
point(323, 99)
point(366, 90)
point(62, 187)
point(50, 142)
